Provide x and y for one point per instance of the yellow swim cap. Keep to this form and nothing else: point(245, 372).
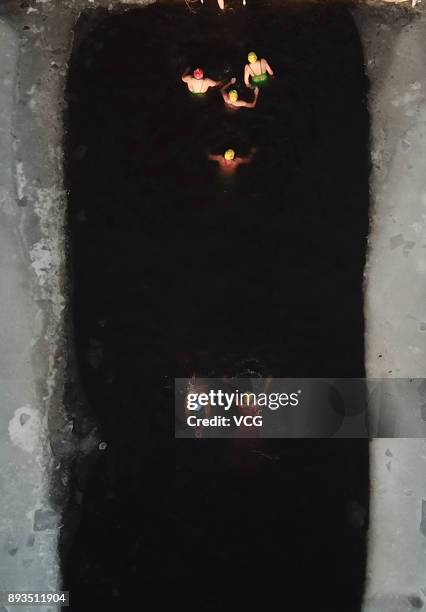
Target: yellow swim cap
point(233, 95)
point(252, 57)
point(229, 154)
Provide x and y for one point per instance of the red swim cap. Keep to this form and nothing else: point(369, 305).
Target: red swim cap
point(198, 73)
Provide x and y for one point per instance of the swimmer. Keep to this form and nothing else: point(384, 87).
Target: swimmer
point(229, 162)
point(231, 97)
point(197, 84)
point(257, 70)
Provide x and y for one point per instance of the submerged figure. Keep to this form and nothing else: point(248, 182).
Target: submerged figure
point(231, 97)
point(197, 84)
point(257, 71)
point(229, 162)
point(198, 410)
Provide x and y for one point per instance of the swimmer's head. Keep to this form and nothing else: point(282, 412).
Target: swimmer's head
point(198, 73)
point(229, 154)
point(233, 95)
point(252, 57)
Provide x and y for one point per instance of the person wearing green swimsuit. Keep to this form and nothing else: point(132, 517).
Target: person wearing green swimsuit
point(257, 71)
point(197, 84)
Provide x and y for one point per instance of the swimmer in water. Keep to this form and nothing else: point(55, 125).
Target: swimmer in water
point(197, 84)
point(231, 97)
point(229, 162)
point(257, 71)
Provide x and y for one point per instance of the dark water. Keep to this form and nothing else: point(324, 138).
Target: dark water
point(177, 271)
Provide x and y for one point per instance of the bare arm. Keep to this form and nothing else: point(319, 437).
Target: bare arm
point(211, 83)
point(243, 104)
point(216, 158)
point(186, 78)
point(268, 68)
point(231, 82)
point(247, 76)
point(247, 159)
point(249, 104)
